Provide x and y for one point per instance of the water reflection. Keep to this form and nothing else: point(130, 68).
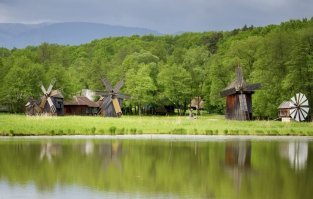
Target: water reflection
point(148, 168)
point(237, 160)
point(109, 153)
point(49, 150)
point(297, 154)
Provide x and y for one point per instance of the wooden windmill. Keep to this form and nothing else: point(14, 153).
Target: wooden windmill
point(50, 103)
point(111, 99)
point(239, 98)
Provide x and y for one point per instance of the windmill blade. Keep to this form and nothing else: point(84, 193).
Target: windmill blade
point(107, 84)
point(123, 96)
point(117, 106)
point(118, 86)
point(239, 74)
point(293, 112)
point(43, 88)
point(106, 102)
point(43, 102)
point(301, 97)
point(297, 116)
point(298, 98)
point(103, 93)
point(303, 101)
point(51, 86)
point(52, 107)
point(252, 87)
point(301, 115)
point(305, 110)
point(293, 100)
point(227, 92)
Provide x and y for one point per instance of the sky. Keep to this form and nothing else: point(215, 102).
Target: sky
point(165, 16)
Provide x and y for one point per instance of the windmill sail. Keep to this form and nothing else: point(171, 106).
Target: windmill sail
point(299, 107)
point(111, 106)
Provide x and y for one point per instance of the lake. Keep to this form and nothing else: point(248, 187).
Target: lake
point(156, 167)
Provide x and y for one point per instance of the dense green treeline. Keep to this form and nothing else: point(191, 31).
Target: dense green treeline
point(171, 69)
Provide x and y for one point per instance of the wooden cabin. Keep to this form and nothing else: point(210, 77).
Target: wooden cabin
point(81, 105)
point(239, 98)
point(284, 111)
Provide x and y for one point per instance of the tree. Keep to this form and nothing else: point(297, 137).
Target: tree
point(175, 82)
point(140, 86)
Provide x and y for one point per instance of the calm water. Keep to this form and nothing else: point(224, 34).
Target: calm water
point(138, 168)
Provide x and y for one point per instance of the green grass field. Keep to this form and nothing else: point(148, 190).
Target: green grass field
point(12, 125)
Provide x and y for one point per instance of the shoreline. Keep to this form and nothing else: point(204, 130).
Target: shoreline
point(164, 137)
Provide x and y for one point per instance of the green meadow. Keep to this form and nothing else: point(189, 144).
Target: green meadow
point(20, 125)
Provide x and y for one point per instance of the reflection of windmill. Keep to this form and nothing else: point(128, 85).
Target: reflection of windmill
point(299, 107)
point(49, 150)
point(111, 100)
point(296, 152)
point(110, 153)
point(51, 102)
point(238, 160)
point(239, 98)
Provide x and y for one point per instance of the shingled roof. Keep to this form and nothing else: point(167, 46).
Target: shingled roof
point(81, 101)
point(239, 85)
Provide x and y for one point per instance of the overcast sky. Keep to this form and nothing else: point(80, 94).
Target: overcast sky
point(166, 16)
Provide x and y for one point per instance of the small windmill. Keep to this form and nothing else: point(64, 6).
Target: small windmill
point(111, 100)
point(299, 107)
point(239, 97)
point(47, 97)
point(51, 102)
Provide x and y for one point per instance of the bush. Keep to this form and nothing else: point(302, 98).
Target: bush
point(112, 130)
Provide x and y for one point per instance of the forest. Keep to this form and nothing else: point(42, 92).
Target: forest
point(170, 70)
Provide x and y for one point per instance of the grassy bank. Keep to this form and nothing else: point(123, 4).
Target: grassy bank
point(11, 125)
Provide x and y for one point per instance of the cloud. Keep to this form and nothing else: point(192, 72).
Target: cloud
point(161, 15)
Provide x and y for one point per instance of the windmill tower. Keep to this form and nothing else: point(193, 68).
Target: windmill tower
point(111, 99)
point(239, 98)
point(50, 103)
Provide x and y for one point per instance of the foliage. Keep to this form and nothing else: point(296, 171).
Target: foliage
point(170, 69)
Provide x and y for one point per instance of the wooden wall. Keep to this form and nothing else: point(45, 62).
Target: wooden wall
point(233, 111)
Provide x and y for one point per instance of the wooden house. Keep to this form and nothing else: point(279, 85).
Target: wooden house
point(239, 98)
point(284, 111)
point(81, 105)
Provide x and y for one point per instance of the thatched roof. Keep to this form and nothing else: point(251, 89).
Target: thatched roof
point(284, 105)
point(81, 101)
point(57, 94)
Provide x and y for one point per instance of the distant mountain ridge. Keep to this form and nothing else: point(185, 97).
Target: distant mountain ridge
point(67, 33)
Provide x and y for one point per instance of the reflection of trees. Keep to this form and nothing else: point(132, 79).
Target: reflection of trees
point(201, 169)
point(297, 154)
point(238, 160)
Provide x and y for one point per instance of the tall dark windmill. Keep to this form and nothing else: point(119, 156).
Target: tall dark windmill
point(50, 103)
point(239, 98)
point(111, 100)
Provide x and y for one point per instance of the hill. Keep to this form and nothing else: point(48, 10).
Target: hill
point(69, 33)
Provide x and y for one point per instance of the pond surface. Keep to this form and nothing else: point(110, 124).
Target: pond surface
point(156, 168)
